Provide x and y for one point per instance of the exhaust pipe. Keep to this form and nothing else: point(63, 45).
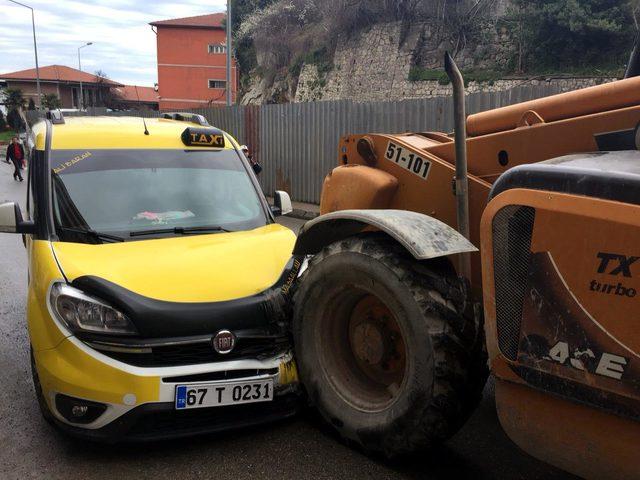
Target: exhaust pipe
point(461, 180)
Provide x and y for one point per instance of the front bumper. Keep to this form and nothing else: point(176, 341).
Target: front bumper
point(161, 421)
point(140, 401)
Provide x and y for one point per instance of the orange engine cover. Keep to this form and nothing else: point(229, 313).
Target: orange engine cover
point(357, 187)
point(561, 267)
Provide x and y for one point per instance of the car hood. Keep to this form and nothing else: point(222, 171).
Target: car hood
point(198, 268)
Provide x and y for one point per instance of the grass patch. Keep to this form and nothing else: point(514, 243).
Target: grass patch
point(419, 74)
point(7, 135)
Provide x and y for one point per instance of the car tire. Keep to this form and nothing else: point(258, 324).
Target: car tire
point(396, 406)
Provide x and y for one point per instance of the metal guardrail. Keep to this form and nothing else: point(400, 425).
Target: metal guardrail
point(297, 143)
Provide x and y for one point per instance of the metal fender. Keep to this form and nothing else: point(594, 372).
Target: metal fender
point(423, 236)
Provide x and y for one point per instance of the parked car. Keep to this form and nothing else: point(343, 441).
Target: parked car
point(158, 280)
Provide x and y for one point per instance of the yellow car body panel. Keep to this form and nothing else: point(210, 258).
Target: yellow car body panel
point(123, 132)
point(68, 369)
point(199, 268)
point(43, 269)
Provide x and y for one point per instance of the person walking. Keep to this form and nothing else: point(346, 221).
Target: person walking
point(257, 168)
point(15, 154)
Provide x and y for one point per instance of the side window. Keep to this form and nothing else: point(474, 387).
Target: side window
point(217, 48)
point(222, 84)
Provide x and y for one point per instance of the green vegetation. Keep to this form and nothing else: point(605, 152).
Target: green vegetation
point(51, 101)
point(7, 135)
point(14, 100)
point(419, 74)
point(572, 35)
point(322, 58)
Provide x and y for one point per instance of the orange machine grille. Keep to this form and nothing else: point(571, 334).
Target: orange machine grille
point(512, 229)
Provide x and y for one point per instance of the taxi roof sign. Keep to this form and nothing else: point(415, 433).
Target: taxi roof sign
point(203, 137)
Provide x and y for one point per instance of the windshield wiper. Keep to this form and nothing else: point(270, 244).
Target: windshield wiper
point(179, 230)
point(93, 234)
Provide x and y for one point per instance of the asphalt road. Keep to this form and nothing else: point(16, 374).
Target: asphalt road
point(297, 448)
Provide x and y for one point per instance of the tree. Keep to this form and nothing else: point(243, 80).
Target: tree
point(51, 101)
point(101, 74)
point(109, 99)
point(14, 101)
point(15, 120)
point(573, 34)
point(244, 50)
point(3, 122)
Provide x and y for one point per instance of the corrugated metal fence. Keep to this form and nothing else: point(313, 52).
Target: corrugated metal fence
point(297, 143)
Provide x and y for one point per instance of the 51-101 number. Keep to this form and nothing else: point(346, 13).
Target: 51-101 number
point(411, 162)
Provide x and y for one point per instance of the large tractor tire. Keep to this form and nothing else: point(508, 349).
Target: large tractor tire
point(388, 348)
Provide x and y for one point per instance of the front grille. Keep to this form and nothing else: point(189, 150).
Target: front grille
point(512, 230)
point(223, 375)
point(199, 352)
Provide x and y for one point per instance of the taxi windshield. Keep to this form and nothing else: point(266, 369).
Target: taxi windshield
point(123, 194)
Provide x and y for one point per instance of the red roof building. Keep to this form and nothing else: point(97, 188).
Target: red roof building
point(136, 97)
point(192, 62)
point(62, 81)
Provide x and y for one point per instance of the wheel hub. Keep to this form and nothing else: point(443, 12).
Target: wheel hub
point(368, 344)
point(376, 342)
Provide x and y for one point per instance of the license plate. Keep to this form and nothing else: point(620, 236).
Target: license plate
point(407, 160)
point(218, 394)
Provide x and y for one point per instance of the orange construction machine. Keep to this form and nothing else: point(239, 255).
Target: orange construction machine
point(533, 209)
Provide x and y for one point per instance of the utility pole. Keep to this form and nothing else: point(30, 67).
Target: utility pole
point(229, 76)
point(81, 102)
point(35, 49)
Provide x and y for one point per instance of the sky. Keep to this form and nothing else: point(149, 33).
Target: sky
point(123, 44)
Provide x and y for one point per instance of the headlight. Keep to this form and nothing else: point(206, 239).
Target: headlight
point(82, 313)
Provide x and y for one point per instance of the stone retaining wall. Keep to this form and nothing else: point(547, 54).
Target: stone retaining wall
point(376, 65)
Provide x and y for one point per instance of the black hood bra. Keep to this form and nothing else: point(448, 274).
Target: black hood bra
point(161, 319)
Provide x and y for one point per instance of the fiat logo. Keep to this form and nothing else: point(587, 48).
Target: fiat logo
point(224, 341)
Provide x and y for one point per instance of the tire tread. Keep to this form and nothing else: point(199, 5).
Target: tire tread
point(457, 338)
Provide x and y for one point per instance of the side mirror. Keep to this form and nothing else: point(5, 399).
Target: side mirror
point(11, 220)
point(281, 204)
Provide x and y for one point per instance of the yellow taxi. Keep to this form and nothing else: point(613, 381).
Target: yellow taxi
point(158, 279)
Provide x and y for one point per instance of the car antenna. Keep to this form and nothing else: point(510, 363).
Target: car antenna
point(146, 130)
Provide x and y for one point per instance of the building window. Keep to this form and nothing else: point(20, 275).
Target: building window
point(217, 48)
point(217, 84)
